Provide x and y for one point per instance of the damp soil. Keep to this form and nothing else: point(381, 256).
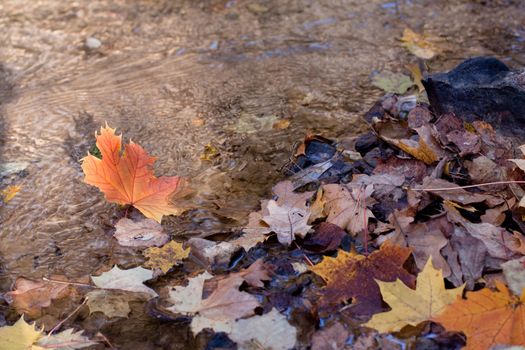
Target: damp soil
point(176, 76)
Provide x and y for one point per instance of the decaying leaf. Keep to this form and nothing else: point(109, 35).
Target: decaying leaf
point(392, 82)
point(287, 222)
point(66, 340)
point(409, 306)
point(269, 331)
point(521, 164)
point(166, 257)
point(514, 272)
point(29, 297)
point(112, 303)
point(327, 237)
point(355, 276)
point(220, 309)
point(211, 252)
point(420, 45)
point(129, 280)
point(10, 192)
point(142, 233)
point(129, 178)
point(487, 318)
point(254, 233)
point(333, 337)
point(347, 208)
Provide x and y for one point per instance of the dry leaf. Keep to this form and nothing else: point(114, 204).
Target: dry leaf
point(269, 331)
point(354, 276)
point(129, 280)
point(347, 209)
point(411, 307)
point(66, 340)
point(142, 233)
point(333, 337)
point(29, 297)
point(514, 272)
point(129, 178)
point(327, 237)
point(427, 243)
point(487, 318)
point(20, 336)
point(165, 257)
point(210, 252)
point(287, 222)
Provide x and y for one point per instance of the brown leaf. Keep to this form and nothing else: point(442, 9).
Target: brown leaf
point(286, 196)
point(457, 194)
point(255, 274)
point(30, 297)
point(332, 337)
point(327, 237)
point(471, 255)
point(427, 243)
point(287, 222)
point(347, 209)
point(354, 276)
point(142, 233)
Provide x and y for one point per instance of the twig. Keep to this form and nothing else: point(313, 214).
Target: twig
point(469, 186)
point(68, 283)
point(67, 318)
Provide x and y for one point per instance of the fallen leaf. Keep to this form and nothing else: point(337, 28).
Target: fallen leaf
point(268, 331)
point(112, 303)
point(25, 336)
point(286, 221)
point(284, 191)
point(521, 164)
point(397, 83)
point(427, 243)
point(471, 255)
point(129, 179)
point(10, 192)
point(417, 76)
point(129, 280)
point(411, 307)
point(222, 307)
point(20, 336)
point(333, 337)
point(514, 272)
point(355, 276)
point(347, 209)
point(212, 253)
point(142, 233)
point(454, 193)
point(317, 207)
point(250, 123)
point(418, 44)
point(166, 257)
point(255, 274)
point(30, 297)
point(327, 237)
point(210, 152)
point(254, 233)
point(66, 340)
point(281, 124)
point(487, 318)
point(425, 148)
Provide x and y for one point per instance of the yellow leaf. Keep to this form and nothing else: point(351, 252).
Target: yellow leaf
point(165, 257)
point(411, 307)
point(420, 45)
point(10, 192)
point(20, 336)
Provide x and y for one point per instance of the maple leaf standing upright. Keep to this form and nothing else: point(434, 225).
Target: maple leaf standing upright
point(129, 178)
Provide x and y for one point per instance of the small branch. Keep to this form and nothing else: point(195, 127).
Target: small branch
point(68, 283)
point(67, 318)
point(469, 186)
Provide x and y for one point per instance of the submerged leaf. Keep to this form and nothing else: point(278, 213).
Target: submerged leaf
point(166, 257)
point(392, 82)
point(142, 233)
point(129, 280)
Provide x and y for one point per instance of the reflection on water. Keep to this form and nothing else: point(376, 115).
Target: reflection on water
point(178, 75)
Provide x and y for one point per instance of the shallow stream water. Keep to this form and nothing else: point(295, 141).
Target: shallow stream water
point(176, 76)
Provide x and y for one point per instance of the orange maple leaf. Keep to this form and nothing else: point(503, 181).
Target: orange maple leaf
point(487, 318)
point(129, 178)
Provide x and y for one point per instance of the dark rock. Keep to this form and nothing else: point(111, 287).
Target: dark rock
point(481, 88)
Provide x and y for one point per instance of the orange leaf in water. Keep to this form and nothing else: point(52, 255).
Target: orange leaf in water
point(487, 318)
point(128, 178)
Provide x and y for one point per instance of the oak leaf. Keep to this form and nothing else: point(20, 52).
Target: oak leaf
point(487, 318)
point(166, 257)
point(351, 275)
point(411, 307)
point(129, 179)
